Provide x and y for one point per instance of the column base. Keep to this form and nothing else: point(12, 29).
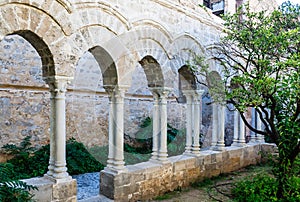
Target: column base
point(115, 170)
point(241, 144)
point(58, 180)
point(234, 143)
point(196, 151)
point(220, 147)
point(160, 161)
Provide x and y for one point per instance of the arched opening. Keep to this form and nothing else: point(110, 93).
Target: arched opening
point(153, 72)
point(42, 49)
point(186, 81)
point(25, 59)
point(88, 117)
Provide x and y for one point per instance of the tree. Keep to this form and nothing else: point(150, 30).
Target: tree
point(261, 61)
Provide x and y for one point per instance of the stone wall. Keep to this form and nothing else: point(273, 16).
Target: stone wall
point(25, 100)
point(147, 180)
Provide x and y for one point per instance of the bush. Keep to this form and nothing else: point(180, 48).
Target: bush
point(30, 162)
point(264, 188)
point(13, 190)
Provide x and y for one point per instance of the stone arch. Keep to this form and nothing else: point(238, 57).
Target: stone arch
point(187, 79)
point(148, 40)
point(184, 48)
point(153, 72)
point(100, 14)
point(42, 30)
point(111, 48)
point(42, 49)
point(107, 65)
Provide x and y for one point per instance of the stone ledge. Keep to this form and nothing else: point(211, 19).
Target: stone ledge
point(51, 191)
point(147, 180)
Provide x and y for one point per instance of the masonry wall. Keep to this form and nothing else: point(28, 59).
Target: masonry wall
point(25, 100)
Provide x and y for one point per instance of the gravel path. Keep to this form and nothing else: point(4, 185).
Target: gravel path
point(88, 186)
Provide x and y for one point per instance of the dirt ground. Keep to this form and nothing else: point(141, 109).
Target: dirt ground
point(217, 189)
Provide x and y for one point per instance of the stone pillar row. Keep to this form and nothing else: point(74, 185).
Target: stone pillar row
point(193, 120)
point(159, 147)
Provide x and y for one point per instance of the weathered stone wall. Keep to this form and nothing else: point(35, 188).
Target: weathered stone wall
point(25, 99)
point(147, 180)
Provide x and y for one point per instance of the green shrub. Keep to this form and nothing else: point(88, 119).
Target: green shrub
point(29, 162)
point(260, 188)
point(13, 190)
point(79, 160)
point(264, 188)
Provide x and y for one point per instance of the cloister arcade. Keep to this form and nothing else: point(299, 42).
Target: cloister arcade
point(158, 35)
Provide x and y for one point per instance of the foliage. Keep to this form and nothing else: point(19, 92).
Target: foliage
point(30, 162)
point(264, 188)
point(260, 57)
point(79, 160)
point(260, 188)
point(13, 190)
point(136, 154)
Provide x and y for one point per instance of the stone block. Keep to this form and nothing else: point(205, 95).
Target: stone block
point(65, 190)
point(44, 192)
point(179, 166)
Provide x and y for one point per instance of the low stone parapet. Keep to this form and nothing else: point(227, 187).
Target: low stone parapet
point(147, 180)
point(50, 190)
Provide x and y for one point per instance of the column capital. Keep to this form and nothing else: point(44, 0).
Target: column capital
point(58, 85)
point(115, 88)
point(161, 91)
point(116, 91)
point(57, 79)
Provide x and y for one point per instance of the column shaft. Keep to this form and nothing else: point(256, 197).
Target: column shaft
point(236, 129)
point(259, 137)
point(221, 127)
point(242, 141)
point(197, 121)
point(57, 162)
point(156, 126)
point(111, 132)
point(214, 138)
point(189, 120)
point(253, 123)
point(163, 151)
point(119, 129)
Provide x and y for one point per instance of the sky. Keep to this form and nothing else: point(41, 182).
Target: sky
point(293, 1)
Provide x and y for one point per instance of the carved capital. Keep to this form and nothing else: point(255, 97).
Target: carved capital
point(58, 85)
point(198, 96)
point(116, 93)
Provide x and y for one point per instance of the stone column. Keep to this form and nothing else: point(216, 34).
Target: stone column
point(214, 138)
point(197, 121)
point(57, 162)
point(236, 129)
point(111, 131)
point(116, 128)
point(160, 152)
point(221, 126)
point(189, 94)
point(253, 123)
point(156, 126)
point(259, 137)
point(119, 128)
point(242, 141)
